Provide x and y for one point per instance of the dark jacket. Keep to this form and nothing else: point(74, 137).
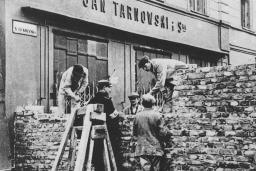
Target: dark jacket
point(148, 128)
point(112, 124)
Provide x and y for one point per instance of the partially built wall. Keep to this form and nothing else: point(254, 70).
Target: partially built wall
point(213, 126)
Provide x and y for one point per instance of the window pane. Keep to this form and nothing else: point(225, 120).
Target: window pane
point(192, 5)
point(245, 13)
point(101, 49)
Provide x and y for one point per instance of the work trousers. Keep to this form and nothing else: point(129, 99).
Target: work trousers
point(167, 97)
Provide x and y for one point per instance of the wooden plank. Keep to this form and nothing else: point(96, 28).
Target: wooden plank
point(91, 146)
point(111, 153)
point(106, 156)
point(74, 143)
point(64, 141)
point(84, 140)
point(71, 141)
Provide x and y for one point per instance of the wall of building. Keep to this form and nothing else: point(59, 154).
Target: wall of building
point(238, 58)
point(23, 55)
point(212, 7)
point(2, 59)
point(242, 41)
point(5, 162)
point(229, 11)
point(212, 125)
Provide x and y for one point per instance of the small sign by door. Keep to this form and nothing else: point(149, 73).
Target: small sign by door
point(24, 28)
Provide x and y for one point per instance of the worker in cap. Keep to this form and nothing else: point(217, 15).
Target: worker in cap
point(164, 71)
point(112, 119)
point(104, 83)
point(148, 131)
point(134, 106)
point(73, 83)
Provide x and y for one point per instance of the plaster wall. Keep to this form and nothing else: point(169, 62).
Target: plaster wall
point(5, 162)
point(211, 6)
point(22, 61)
point(242, 39)
point(237, 58)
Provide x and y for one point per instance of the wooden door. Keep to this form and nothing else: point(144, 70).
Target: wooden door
point(120, 70)
point(70, 50)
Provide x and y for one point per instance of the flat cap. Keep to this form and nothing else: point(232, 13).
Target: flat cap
point(133, 95)
point(104, 83)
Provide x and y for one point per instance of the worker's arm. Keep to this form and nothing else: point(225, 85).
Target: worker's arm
point(65, 85)
point(84, 82)
point(160, 79)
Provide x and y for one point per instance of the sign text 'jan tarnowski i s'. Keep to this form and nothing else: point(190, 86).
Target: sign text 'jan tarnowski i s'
point(138, 15)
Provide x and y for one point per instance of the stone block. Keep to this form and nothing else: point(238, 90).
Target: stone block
point(228, 73)
point(234, 103)
point(196, 75)
point(211, 109)
point(210, 75)
point(252, 77)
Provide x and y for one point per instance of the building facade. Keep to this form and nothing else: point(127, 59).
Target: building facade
point(39, 40)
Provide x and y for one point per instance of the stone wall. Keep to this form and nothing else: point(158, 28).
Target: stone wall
point(213, 125)
point(37, 138)
point(213, 121)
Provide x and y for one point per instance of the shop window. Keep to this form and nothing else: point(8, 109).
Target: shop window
point(198, 6)
point(246, 13)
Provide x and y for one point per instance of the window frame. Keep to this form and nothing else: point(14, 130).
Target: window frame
point(246, 21)
point(194, 4)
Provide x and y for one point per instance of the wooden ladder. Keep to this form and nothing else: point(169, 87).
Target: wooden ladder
point(83, 160)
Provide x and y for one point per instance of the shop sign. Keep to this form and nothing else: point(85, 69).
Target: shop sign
point(24, 28)
point(139, 15)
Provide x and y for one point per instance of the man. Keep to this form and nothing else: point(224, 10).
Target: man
point(73, 82)
point(112, 118)
point(148, 130)
point(134, 106)
point(163, 70)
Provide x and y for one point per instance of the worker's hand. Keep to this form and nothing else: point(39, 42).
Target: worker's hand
point(121, 116)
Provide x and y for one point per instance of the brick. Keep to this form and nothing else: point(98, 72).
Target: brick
point(196, 75)
point(201, 87)
point(243, 78)
point(210, 75)
point(211, 109)
point(252, 77)
point(220, 86)
point(228, 73)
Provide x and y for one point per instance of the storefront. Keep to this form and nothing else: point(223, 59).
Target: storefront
point(108, 37)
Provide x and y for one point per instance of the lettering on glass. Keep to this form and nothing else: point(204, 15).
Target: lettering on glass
point(24, 28)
